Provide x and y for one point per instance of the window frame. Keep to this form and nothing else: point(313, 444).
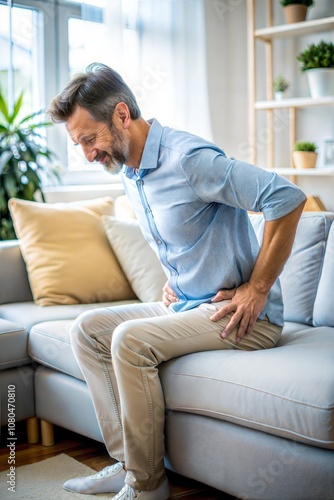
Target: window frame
point(54, 62)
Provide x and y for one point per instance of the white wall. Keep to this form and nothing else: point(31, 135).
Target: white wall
point(227, 73)
point(226, 48)
point(226, 24)
point(64, 194)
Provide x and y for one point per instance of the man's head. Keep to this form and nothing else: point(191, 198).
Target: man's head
point(98, 90)
point(97, 107)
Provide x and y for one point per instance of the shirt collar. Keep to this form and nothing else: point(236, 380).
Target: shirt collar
point(149, 159)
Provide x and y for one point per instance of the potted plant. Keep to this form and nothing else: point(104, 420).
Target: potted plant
point(317, 60)
point(280, 85)
point(304, 154)
point(295, 10)
point(24, 159)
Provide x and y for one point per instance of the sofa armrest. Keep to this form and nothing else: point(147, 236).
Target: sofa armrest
point(14, 284)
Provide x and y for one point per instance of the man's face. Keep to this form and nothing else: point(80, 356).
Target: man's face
point(100, 142)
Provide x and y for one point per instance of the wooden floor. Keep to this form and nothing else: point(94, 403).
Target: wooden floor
point(94, 455)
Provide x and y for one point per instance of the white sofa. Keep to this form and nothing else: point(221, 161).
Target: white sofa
point(257, 425)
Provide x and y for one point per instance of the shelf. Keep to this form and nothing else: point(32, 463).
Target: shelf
point(295, 29)
point(296, 102)
point(268, 36)
point(316, 172)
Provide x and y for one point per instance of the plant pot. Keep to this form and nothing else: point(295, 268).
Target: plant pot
point(320, 81)
point(279, 95)
point(304, 159)
point(295, 13)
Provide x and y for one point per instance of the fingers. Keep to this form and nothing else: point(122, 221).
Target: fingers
point(239, 320)
point(222, 312)
point(245, 306)
point(223, 295)
point(168, 295)
point(243, 324)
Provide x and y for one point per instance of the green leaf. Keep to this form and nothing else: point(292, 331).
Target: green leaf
point(4, 108)
point(17, 107)
point(28, 191)
point(319, 55)
point(3, 128)
point(6, 229)
point(33, 177)
point(4, 159)
point(10, 185)
point(305, 146)
point(41, 124)
point(21, 141)
point(31, 116)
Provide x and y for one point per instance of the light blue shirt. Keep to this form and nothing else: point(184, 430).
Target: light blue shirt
point(191, 202)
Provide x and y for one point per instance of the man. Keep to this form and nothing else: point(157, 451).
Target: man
point(222, 290)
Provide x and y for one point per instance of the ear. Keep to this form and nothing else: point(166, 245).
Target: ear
point(122, 115)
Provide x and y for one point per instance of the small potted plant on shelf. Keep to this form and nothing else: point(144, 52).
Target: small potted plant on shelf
point(280, 85)
point(24, 160)
point(304, 154)
point(295, 10)
point(317, 60)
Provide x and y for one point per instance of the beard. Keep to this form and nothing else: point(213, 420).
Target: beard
point(114, 162)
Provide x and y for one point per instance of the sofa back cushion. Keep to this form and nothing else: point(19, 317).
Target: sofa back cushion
point(13, 274)
point(301, 273)
point(324, 302)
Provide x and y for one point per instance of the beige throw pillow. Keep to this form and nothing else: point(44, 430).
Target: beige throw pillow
point(139, 262)
point(68, 257)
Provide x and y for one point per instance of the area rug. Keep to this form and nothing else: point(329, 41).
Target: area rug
point(44, 480)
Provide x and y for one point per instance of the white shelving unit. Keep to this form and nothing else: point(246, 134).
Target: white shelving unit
point(306, 172)
point(296, 29)
point(296, 102)
point(267, 36)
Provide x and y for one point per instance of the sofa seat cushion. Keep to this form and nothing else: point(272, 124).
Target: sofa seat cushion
point(287, 391)
point(13, 345)
point(29, 314)
point(291, 327)
point(49, 343)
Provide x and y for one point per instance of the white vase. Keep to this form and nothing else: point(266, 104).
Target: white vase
point(320, 81)
point(279, 95)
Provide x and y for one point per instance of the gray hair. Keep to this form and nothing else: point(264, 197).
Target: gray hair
point(98, 90)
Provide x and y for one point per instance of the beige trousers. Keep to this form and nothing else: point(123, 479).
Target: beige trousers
point(119, 350)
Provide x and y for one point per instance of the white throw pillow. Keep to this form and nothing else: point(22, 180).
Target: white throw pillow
point(140, 264)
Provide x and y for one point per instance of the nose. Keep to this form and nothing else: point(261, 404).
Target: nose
point(89, 152)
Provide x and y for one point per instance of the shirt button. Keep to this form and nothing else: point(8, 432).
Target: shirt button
point(147, 210)
point(140, 182)
point(159, 242)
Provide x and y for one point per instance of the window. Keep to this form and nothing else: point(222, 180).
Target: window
point(19, 56)
point(152, 43)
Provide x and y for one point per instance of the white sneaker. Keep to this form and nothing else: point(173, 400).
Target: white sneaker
point(108, 480)
point(128, 493)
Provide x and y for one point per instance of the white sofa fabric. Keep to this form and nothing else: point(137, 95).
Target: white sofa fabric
point(257, 425)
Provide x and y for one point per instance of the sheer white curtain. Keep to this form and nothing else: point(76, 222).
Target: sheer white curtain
point(159, 48)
